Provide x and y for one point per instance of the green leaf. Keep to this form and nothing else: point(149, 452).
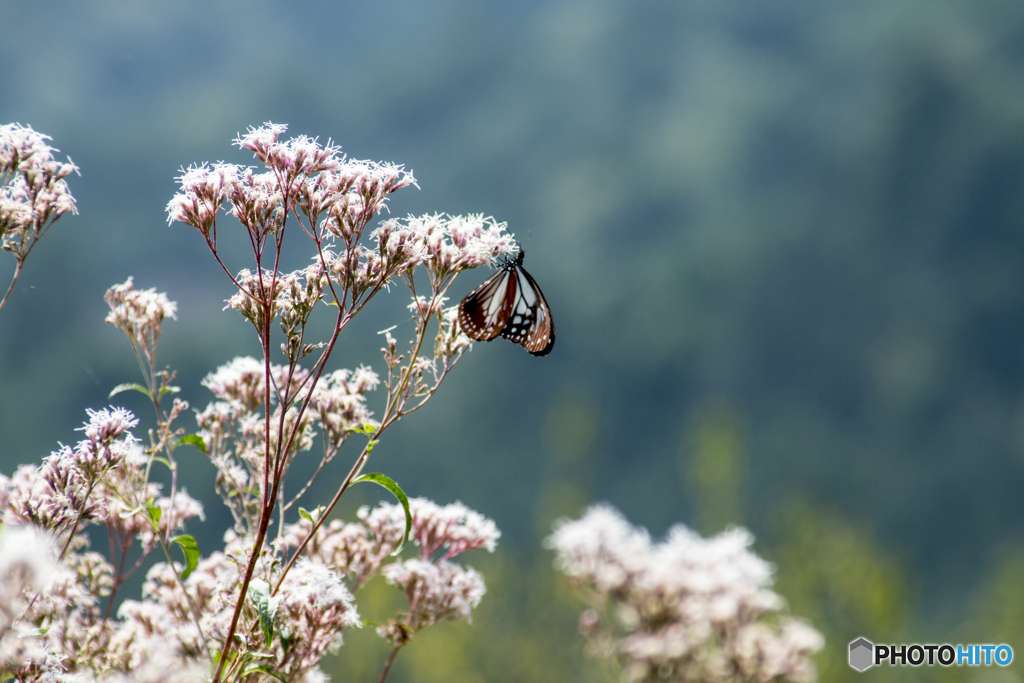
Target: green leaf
point(171, 390)
point(253, 668)
point(195, 440)
point(366, 428)
point(247, 656)
point(388, 483)
point(266, 608)
point(311, 516)
point(191, 551)
point(286, 641)
point(155, 513)
point(130, 386)
point(125, 514)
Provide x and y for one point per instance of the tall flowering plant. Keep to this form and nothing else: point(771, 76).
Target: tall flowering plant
point(278, 596)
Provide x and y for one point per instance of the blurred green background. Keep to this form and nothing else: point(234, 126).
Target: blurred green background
point(782, 241)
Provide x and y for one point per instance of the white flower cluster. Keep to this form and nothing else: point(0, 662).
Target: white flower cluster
point(234, 429)
point(67, 485)
point(454, 527)
point(102, 481)
point(139, 313)
point(338, 198)
point(444, 244)
point(302, 175)
point(687, 609)
point(33, 192)
point(339, 400)
point(289, 297)
point(315, 607)
point(437, 589)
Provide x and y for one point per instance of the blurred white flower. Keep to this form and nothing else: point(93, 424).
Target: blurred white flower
point(28, 558)
point(687, 609)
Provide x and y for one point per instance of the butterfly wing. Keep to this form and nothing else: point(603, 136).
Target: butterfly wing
point(529, 322)
point(485, 311)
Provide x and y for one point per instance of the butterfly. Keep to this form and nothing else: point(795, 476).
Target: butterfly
point(511, 304)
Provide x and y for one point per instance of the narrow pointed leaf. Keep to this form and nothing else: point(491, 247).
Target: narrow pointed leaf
point(195, 440)
point(266, 608)
point(128, 387)
point(388, 483)
point(191, 551)
point(253, 668)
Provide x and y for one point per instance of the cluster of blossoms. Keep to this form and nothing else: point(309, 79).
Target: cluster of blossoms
point(338, 197)
point(33, 192)
point(139, 314)
point(686, 609)
point(53, 588)
point(234, 430)
point(52, 621)
point(437, 588)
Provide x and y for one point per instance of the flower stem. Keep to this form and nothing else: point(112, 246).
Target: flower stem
point(387, 664)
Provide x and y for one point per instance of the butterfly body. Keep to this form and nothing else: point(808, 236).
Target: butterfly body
point(509, 304)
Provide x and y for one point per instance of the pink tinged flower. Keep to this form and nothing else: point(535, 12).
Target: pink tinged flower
point(203, 190)
point(453, 526)
point(37, 194)
point(138, 308)
point(242, 380)
point(107, 443)
point(763, 654)
point(260, 140)
point(51, 495)
point(315, 675)
point(446, 244)
point(161, 664)
point(601, 548)
point(150, 631)
point(339, 401)
point(386, 524)
point(351, 548)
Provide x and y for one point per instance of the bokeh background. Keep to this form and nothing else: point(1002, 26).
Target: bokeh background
point(783, 244)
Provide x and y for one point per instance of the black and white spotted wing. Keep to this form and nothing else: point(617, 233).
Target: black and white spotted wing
point(510, 304)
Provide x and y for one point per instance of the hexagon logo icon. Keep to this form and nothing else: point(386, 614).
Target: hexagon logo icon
point(861, 654)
